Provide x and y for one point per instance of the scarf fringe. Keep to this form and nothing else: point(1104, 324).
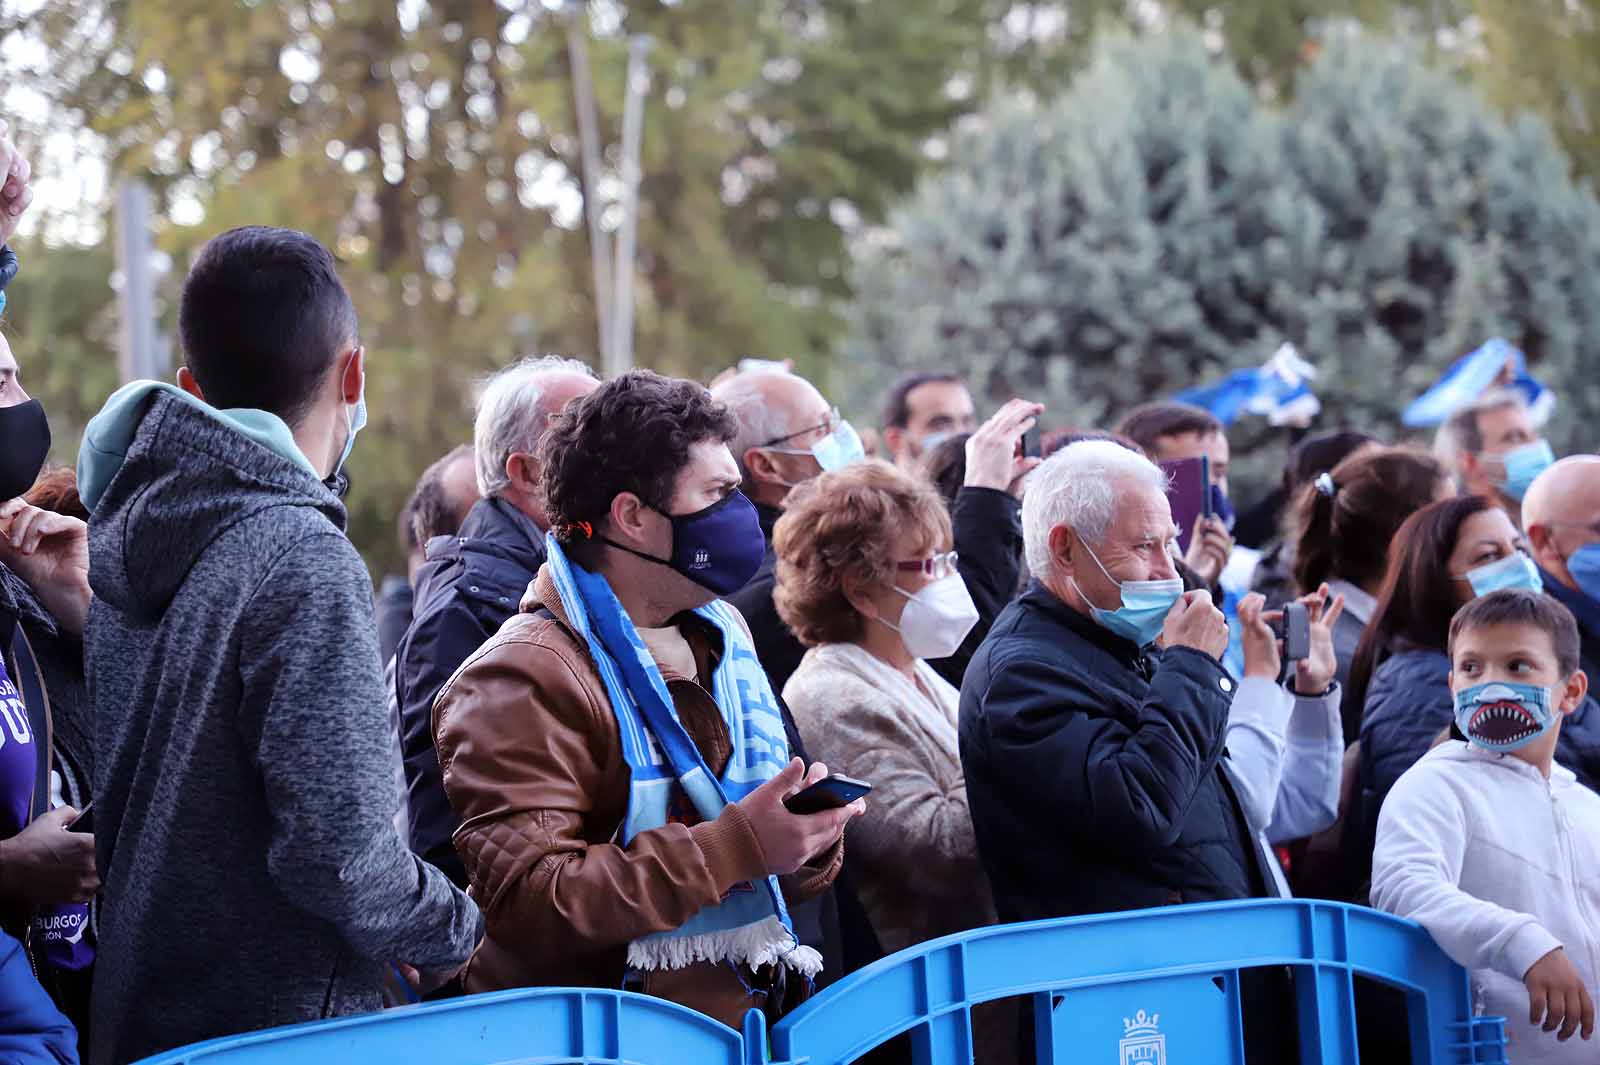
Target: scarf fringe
point(765, 942)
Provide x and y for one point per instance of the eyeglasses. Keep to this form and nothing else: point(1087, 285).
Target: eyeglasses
point(828, 426)
point(936, 568)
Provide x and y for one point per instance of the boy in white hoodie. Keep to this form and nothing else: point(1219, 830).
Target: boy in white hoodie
point(1492, 847)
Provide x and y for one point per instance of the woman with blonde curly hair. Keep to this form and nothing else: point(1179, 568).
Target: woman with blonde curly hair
point(867, 581)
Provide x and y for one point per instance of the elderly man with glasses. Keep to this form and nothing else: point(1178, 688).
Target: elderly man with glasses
point(788, 435)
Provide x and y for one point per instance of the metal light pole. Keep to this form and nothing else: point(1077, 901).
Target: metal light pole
point(632, 134)
point(140, 356)
point(589, 145)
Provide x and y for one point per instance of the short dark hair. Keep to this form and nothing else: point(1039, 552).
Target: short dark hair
point(405, 525)
point(263, 316)
point(897, 406)
point(632, 434)
point(1321, 453)
point(1061, 438)
point(945, 467)
point(433, 512)
point(1521, 606)
point(1147, 424)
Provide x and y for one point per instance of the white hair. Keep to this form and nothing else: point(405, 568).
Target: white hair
point(759, 419)
point(1078, 487)
point(511, 415)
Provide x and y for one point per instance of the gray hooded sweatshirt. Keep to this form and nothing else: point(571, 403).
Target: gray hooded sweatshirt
point(243, 786)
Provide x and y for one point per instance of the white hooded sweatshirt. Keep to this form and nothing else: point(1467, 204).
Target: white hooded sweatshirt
point(1501, 867)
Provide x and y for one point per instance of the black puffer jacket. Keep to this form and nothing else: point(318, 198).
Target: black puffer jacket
point(470, 584)
point(1094, 770)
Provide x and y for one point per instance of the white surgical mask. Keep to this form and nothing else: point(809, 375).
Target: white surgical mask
point(936, 619)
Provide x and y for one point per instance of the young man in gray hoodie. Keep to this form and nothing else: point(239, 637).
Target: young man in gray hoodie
point(243, 777)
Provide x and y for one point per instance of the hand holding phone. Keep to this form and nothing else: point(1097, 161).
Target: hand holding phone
point(1294, 629)
point(829, 793)
point(84, 822)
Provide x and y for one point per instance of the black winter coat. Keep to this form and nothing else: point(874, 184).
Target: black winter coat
point(470, 584)
point(1094, 770)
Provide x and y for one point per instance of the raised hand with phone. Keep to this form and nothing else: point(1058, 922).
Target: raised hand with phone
point(996, 457)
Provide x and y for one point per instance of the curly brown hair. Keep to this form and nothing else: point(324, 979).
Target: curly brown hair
point(632, 434)
point(844, 526)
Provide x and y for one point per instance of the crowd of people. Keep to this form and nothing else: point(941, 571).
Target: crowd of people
point(641, 615)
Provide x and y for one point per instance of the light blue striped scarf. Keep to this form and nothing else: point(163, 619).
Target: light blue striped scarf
point(751, 924)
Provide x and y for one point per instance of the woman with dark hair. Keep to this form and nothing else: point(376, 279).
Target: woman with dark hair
point(1345, 520)
point(1445, 555)
point(1309, 459)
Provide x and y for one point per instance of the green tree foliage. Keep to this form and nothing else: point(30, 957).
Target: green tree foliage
point(1158, 225)
point(433, 146)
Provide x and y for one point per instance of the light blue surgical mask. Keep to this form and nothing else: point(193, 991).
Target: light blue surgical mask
point(357, 421)
point(1516, 570)
point(1584, 565)
point(1144, 609)
point(833, 452)
point(1523, 466)
point(1503, 715)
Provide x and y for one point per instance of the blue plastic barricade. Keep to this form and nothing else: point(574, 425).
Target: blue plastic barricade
point(1136, 988)
point(1149, 986)
point(537, 1026)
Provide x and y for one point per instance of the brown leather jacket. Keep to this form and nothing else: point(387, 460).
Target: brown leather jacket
point(533, 764)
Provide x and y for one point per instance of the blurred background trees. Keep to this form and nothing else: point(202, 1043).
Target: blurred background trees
point(1086, 223)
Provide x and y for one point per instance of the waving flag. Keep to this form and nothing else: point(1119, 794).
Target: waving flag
point(1276, 390)
point(1496, 363)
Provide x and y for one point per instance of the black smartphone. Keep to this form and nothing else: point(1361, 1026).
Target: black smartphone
point(1030, 442)
point(829, 793)
point(1294, 629)
point(84, 822)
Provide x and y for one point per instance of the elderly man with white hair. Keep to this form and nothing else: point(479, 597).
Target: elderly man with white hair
point(472, 582)
point(1096, 721)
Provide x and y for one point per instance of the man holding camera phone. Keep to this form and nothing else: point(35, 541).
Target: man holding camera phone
point(1105, 665)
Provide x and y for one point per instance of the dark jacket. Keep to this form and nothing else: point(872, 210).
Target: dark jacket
point(988, 540)
point(243, 776)
point(1587, 611)
point(394, 614)
point(776, 646)
point(1408, 705)
point(468, 587)
point(32, 1030)
point(1094, 769)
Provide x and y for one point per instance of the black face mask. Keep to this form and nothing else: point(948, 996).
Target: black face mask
point(24, 443)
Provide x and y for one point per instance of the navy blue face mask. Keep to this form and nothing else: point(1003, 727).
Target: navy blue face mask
point(719, 548)
point(1222, 506)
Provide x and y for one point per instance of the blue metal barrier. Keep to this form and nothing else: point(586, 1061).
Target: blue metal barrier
point(1122, 989)
point(536, 1026)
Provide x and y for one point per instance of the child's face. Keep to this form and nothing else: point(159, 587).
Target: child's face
point(1521, 654)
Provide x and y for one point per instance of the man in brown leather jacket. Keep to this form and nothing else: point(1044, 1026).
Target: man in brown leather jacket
point(643, 492)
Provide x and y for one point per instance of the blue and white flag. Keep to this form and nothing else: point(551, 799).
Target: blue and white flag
point(1276, 390)
point(1496, 363)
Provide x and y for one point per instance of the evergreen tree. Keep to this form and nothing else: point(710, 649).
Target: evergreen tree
point(1439, 225)
point(1095, 250)
point(1158, 224)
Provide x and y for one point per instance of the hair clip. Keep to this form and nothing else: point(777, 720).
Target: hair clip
point(1325, 486)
